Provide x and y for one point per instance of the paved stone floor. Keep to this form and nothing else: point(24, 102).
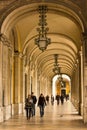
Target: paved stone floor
point(62, 117)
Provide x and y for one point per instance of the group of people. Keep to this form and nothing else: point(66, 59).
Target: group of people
point(42, 101)
point(58, 98)
point(30, 102)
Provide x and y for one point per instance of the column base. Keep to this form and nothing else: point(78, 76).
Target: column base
point(17, 109)
point(5, 113)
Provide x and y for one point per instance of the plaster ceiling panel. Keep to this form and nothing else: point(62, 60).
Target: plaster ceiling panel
point(57, 25)
point(27, 27)
point(58, 43)
point(44, 62)
point(51, 65)
point(48, 71)
point(54, 51)
point(48, 64)
point(50, 59)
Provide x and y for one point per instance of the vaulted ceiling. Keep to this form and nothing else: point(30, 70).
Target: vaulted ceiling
point(65, 28)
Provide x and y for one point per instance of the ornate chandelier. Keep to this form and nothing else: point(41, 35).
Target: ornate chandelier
point(56, 68)
point(42, 41)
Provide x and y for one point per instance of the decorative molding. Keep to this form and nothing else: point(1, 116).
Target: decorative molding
point(5, 40)
point(19, 54)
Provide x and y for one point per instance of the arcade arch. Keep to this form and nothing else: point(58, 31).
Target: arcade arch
point(58, 87)
point(27, 68)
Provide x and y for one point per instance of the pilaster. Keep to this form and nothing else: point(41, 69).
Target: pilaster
point(5, 77)
point(81, 104)
point(18, 80)
point(85, 77)
point(1, 88)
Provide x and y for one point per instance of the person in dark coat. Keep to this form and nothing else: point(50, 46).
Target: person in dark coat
point(62, 98)
point(41, 104)
point(34, 102)
point(47, 99)
point(57, 99)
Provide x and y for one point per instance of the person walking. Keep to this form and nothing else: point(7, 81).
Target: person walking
point(34, 102)
point(47, 99)
point(41, 104)
point(57, 99)
point(28, 106)
point(52, 99)
point(62, 99)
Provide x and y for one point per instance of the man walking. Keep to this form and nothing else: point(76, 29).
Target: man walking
point(41, 104)
point(34, 102)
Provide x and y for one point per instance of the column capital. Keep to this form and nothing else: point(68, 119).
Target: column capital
point(80, 52)
point(18, 54)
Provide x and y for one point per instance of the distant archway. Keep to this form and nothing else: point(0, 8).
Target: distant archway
point(61, 87)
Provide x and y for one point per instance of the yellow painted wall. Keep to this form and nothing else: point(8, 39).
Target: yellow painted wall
point(58, 88)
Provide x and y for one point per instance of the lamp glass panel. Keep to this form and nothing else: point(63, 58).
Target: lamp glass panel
point(42, 44)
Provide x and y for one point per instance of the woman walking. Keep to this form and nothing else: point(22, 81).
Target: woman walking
point(29, 106)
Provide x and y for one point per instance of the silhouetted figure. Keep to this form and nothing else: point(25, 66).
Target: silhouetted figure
point(29, 106)
point(47, 99)
point(52, 99)
point(67, 97)
point(62, 99)
point(41, 104)
point(34, 102)
point(58, 99)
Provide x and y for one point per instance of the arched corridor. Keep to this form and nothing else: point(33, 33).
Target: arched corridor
point(40, 39)
point(63, 117)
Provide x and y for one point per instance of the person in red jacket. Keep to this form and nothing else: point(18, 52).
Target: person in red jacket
point(41, 104)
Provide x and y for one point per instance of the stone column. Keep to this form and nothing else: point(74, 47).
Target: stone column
point(5, 76)
point(18, 83)
point(85, 48)
point(1, 85)
point(16, 77)
point(81, 105)
point(1, 89)
point(38, 81)
point(35, 80)
point(75, 89)
point(49, 88)
point(38, 87)
point(20, 100)
point(25, 79)
point(31, 70)
point(85, 77)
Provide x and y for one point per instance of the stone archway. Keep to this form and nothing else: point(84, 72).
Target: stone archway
point(18, 24)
